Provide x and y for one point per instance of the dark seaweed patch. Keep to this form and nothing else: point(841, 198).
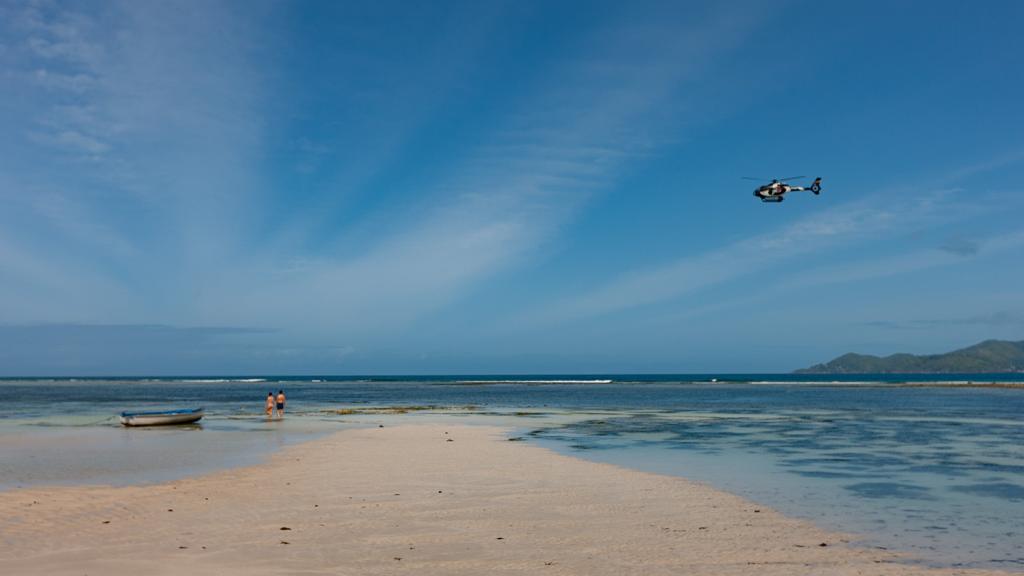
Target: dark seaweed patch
point(1002, 490)
point(889, 490)
point(830, 474)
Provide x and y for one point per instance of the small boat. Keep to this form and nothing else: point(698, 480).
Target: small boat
point(161, 418)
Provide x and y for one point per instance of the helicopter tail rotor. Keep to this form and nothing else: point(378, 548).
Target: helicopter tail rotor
point(816, 186)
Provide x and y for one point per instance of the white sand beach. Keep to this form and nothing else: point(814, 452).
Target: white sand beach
point(419, 499)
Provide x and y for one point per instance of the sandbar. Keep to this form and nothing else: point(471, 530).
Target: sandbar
point(425, 500)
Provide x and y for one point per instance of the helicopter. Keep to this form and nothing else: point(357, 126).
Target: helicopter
point(775, 191)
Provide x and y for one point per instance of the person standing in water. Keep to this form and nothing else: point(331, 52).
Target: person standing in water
point(280, 403)
point(270, 404)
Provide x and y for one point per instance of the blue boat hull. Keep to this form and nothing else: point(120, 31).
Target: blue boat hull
point(165, 418)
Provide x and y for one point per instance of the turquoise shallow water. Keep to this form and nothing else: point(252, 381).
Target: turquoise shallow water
point(936, 471)
point(949, 490)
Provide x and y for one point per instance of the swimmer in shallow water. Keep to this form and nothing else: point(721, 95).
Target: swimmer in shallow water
point(280, 403)
point(270, 404)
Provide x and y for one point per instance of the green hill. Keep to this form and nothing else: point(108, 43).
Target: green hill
point(988, 356)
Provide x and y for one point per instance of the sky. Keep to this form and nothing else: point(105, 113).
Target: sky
point(205, 187)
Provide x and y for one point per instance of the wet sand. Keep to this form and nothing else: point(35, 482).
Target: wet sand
point(430, 499)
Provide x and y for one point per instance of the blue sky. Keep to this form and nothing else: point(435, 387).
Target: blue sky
point(488, 187)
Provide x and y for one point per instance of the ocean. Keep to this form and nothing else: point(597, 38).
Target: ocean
point(932, 465)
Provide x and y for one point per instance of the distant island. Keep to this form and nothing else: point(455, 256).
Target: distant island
point(990, 356)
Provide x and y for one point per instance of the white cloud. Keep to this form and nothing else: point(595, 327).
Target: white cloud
point(169, 110)
point(75, 141)
point(143, 130)
point(501, 203)
point(76, 83)
point(837, 227)
point(856, 270)
point(1007, 158)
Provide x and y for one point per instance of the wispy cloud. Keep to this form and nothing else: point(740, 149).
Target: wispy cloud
point(150, 125)
point(75, 142)
point(960, 246)
point(504, 200)
point(1007, 158)
point(191, 164)
point(65, 57)
point(139, 137)
point(77, 83)
point(840, 226)
point(1000, 319)
point(851, 271)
